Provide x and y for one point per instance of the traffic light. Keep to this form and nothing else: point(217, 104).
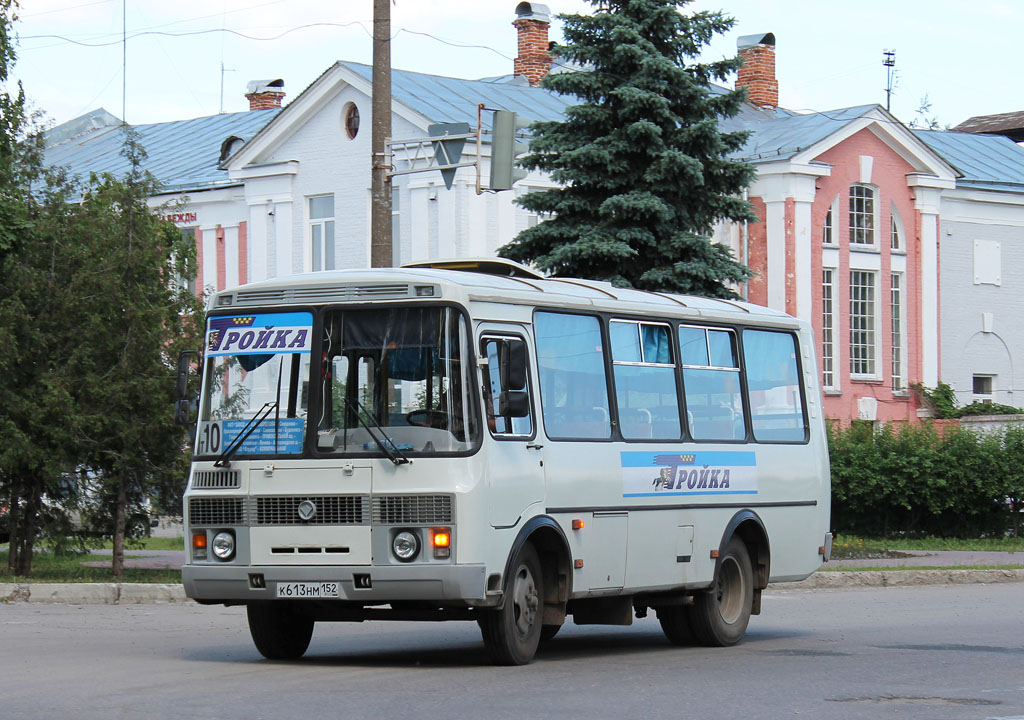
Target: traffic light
point(505, 150)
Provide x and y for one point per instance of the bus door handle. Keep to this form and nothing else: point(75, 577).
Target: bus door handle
point(534, 446)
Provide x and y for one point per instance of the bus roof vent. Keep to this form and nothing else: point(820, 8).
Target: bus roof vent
point(345, 292)
point(486, 266)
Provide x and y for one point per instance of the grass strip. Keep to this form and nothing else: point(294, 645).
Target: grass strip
point(905, 568)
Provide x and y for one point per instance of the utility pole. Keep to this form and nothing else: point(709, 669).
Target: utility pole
point(889, 61)
point(380, 186)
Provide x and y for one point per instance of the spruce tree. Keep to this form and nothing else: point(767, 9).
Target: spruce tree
point(642, 164)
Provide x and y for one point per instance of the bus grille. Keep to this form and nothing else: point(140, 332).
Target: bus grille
point(330, 510)
point(412, 509)
point(216, 511)
point(205, 480)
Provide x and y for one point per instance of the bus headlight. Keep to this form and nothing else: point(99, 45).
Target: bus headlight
point(405, 546)
point(224, 545)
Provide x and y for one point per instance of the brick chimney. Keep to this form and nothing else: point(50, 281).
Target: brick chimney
point(532, 23)
point(264, 94)
point(758, 72)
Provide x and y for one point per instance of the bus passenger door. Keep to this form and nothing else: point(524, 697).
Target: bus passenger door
point(513, 455)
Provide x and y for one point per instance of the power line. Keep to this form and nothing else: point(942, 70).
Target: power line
point(245, 36)
point(193, 33)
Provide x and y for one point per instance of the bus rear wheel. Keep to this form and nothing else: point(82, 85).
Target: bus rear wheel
point(279, 631)
point(512, 633)
point(675, 623)
point(719, 616)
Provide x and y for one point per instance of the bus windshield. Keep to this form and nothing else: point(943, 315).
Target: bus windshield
point(253, 400)
point(396, 375)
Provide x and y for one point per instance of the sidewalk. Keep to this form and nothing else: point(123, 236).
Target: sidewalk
point(907, 570)
point(836, 574)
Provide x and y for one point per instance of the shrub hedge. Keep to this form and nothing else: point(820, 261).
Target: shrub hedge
point(916, 479)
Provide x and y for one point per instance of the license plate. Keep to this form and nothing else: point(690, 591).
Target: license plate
point(308, 590)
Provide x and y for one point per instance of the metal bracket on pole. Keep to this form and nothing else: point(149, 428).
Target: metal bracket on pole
point(426, 154)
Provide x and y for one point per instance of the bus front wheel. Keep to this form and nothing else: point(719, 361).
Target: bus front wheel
point(512, 633)
point(719, 616)
point(278, 630)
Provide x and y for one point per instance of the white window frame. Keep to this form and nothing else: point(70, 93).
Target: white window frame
point(898, 330)
point(897, 234)
point(984, 397)
point(318, 259)
point(829, 329)
point(830, 226)
point(864, 352)
point(855, 216)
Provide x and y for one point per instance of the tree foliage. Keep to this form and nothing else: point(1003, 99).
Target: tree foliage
point(641, 161)
point(915, 479)
point(91, 317)
point(138, 318)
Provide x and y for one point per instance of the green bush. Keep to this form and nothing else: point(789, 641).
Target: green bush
point(915, 480)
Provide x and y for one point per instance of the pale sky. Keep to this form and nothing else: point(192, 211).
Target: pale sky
point(828, 54)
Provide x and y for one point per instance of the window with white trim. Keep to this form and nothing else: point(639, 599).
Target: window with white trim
point(826, 233)
point(862, 323)
point(862, 215)
point(894, 233)
point(982, 387)
point(321, 231)
point(828, 326)
point(896, 306)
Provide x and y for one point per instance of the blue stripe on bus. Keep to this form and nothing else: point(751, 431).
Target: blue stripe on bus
point(709, 492)
point(716, 458)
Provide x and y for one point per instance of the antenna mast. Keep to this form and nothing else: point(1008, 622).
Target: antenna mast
point(889, 61)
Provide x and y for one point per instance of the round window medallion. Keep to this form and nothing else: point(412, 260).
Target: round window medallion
point(351, 120)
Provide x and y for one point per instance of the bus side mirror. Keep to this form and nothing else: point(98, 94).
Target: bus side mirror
point(512, 361)
point(514, 403)
point(183, 404)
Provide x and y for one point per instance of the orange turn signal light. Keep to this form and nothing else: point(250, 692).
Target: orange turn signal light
point(577, 524)
point(199, 540)
point(442, 538)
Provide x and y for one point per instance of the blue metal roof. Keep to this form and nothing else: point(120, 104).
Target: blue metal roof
point(783, 136)
point(989, 162)
point(448, 99)
point(185, 155)
point(182, 155)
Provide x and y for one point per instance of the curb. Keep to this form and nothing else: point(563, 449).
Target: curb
point(92, 593)
point(899, 578)
point(146, 593)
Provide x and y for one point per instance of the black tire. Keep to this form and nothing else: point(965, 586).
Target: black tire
point(675, 623)
point(547, 632)
point(511, 634)
point(278, 630)
point(719, 616)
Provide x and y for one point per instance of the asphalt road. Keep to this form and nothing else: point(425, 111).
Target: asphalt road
point(935, 652)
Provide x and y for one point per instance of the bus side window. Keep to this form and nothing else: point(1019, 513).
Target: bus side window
point(573, 383)
point(507, 390)
point(645, 380)
point(711, 383)
point(776, 405)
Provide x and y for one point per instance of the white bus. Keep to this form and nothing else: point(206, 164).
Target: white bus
point(472, 441)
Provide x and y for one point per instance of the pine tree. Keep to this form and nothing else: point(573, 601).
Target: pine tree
point(642, 165)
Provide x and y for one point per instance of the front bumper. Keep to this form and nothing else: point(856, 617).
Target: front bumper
point(367, 584)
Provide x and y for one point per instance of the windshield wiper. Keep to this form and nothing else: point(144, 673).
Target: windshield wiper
point(388, 445)
point(229, 452)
